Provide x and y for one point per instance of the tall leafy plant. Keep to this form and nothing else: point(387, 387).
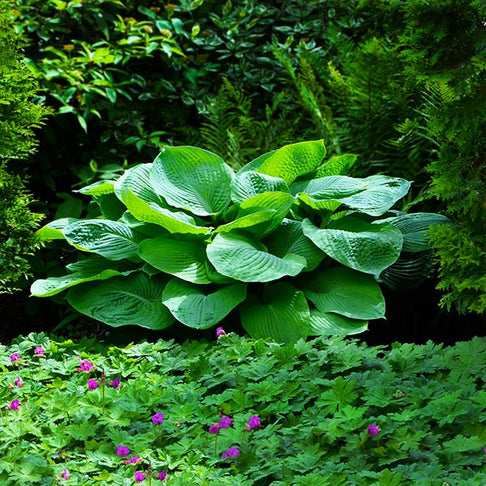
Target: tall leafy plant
point(290, 240)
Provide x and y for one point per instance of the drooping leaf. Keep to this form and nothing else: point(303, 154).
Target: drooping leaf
point(241, 258)
point(110, 239)
point(98, 188)
point(120, 301)
point(251, 183)
point(337, 165)
point(294, 160)
point(289, 238)
point(174, 222)
point(53, 230)
point(346, 292)
point(282, 315)
point(198, 307)
point(90, 269)
point(329, 324)
point(138, 181)
point(369, 248)
point(193, 178)
point(185, 259)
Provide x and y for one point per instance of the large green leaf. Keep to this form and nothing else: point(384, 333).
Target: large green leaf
point(337, 165)
point(374, 195)
point(369, 248)
point(90, 269)
point(174, 222)
point(54, 229)
point(329, 324)
point(98, 188)
point(194, 179)
point(185, 259)
point(243, 259)
point(138, 181)
point(120, 301)
point(199, 308)
point(346, 292)
point(294, 160)
point(250, 183)
point(110, 239)
point(289, 238)
point(283, 315)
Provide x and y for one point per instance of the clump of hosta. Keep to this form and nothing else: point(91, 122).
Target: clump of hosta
point(295, 244)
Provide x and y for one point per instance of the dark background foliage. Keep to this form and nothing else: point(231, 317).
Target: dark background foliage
point(399, 83)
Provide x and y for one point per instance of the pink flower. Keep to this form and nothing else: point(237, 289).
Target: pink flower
point(65, 474)
point(231, 453)
point(254, 422)
point(373, 430)
point(39, 351)
point(225, 422)
point(115, 383)
point(92, 384)
point(220, 332)
point(85, 365)
point(133, 460)
point(158, 418)
point(19, 382)
point(14, 405)
point(139, 476)
point(14, 357)
point(122, 451)
point(162, 475)
point(214, 429)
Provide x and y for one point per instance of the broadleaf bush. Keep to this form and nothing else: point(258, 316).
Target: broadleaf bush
point(288, 239)
point(242, 412)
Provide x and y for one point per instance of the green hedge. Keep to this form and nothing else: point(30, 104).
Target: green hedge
point(316, 402)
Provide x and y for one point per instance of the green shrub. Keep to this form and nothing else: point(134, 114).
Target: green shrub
point(315, 401)
point(187, 238)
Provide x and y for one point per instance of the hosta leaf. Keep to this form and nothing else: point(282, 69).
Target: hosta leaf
point(98, 188)
point(283, 315)
point(199, 308)
point(138, 181)
point(111, 207)
point(250, 183)
point(243, 259)
point(174, 222)
point(329, 324)
point(289, 238)
point(337, 165)
point(92, 268)
point(120, 301)
point(414, 228)
point(256, 163)
point(294, 160)
point(248, 221)
point(193, 178)
point(110, 239)
point(53, 230)
point(369, 248)
point(185, 259)
point(374, 195)
point(346, 292)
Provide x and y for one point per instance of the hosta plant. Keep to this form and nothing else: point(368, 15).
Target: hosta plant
point(297, 245)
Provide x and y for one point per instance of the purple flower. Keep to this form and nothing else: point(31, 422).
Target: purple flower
point(220, 332)
point(162, 475)
point(373, 429)
point(19, 382)
point(134, 460)
point(158, 418)
point(231, 453)
point(254, 422)
point(14, 357)
point(65, 474)
point(225, 422)
point(214, 429)
point(85, 365)
point(122, 451)
point(92, 384)
point(115, 383)
point(139, 476)
point(14, 405)
point(39, 351)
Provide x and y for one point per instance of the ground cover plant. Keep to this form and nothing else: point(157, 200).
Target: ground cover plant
point(238, 411)
point(294, 244)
